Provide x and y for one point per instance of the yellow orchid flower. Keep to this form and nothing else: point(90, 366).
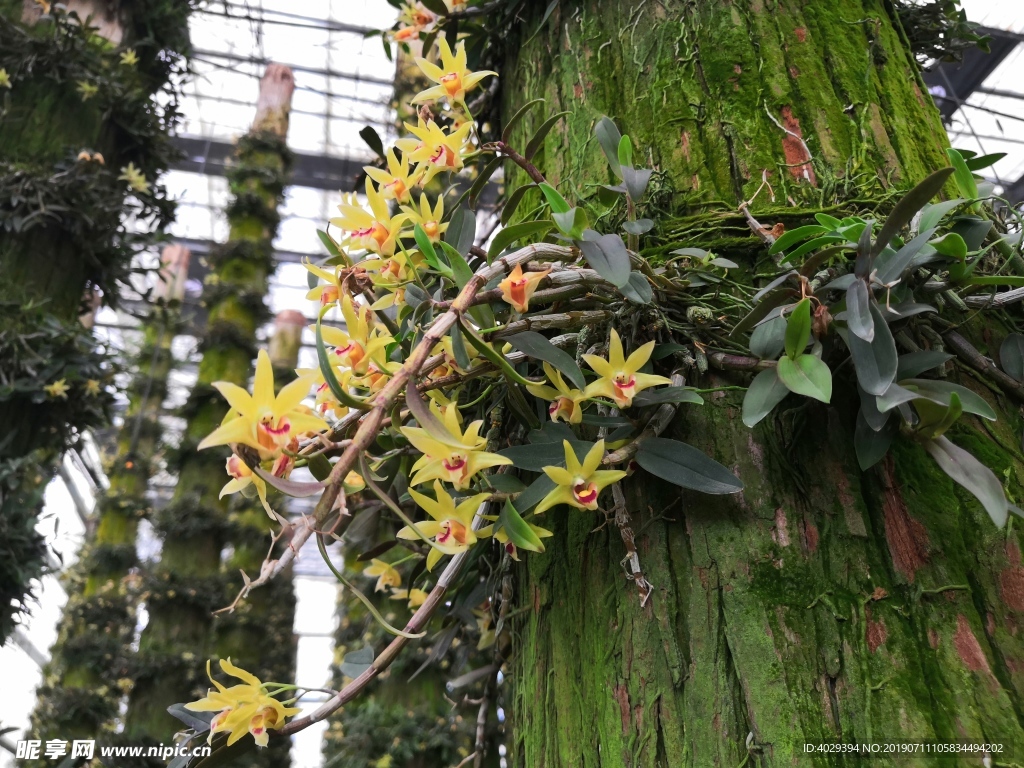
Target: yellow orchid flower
point(519, 286)
point(362, 339)
point(129, 58)
point(451, 529)
point(435, 150)
point(136, 179)
point(417, 15)
point(397, 181)
point(579, 485)
point(58, 390)
point(619, 380)
point(453, 80)
point(324, 294)
point(455, 457)
point(386, 573)
point(455, 5)
point(246, 708)
point(264, 421)
point(325, 399)
point(374, 230)
point(565, 401)
point(378, 372)
point(428, 218)
point(5, 79)
point(416, 597)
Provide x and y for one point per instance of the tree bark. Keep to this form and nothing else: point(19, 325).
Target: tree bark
point(821, 603)
point(190, 581)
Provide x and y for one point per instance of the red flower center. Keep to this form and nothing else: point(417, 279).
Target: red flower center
point(585, 493)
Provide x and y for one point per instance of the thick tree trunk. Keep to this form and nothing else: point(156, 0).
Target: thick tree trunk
point(190, 580)
point(823, 602)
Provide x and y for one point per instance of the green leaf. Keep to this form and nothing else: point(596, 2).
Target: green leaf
point(481, 181)
point(858, 311)
point(908, 206)
point(869, 445)
point(811, 245)
point(555, 200)
point(806, 375)
point(933, 214)
point(934, 419)
point(372, 139)
point(914, 364)
point(427, 249)
point(518, 530)
point(951, 244)
point(319, 466)
point(793, 236)
point(970, 473)
point(765, 392)
point(512, 202)
point(532, 344)
point(798, 328)
point(1011, 356)
point(517, 232)
point(890, 266)
point(638, 227)
point(762, 309)
point(686, 467)
point(941, 392)
point(768, 339)
point(635, 180)
point(538, 138)
point(625, 151)
point(462, 273)
point(538, 489)
point(357, 662)
point(875, 361)
point(637, 289)
point(608, 137)
point(495, 357)
point(1012, 281)
point(965, 182)
point(572, 223)
point(828, 221)
point(330, 245)
point(536, 456)
point(984, 161)
point(668, 395)
point(608, 257)
point(461, 232)
point(506, 132)
point(544, 20)
point(459, 348)
point(505, 483)
point(197, 721)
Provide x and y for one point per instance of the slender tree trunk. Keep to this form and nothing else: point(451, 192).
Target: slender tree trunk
point(81, 695)
point(823, 602)
point(190, 581)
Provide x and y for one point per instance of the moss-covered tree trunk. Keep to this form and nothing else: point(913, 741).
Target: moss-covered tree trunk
point(190, 581)
point(822, 603)
point(73, 115)
point(82, 693)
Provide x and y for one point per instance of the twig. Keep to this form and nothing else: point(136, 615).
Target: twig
point(726, 362)
point(970, 356)
point(643, 587)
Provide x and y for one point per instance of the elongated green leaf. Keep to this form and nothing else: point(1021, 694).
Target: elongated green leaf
point(951, 244)
point(518, 530)
point(668, 395)
point(685, 466)
point(608, 137)
point(871, 445)
point(637, 289)
point(964, 178)
point(517, 232)
point(319, 466)
point(909, 205)
point(890, 266)
point(538, 138)
point(914, 364)
point(967, 471)
point(536, 456)
point(935, 419)
point(763, 309)
point(330, 245)
point(427, 249)
point(811, 245)
point(933, 214)
point(984, 161)
point(197, 721)
point(798, 328)
point(461, 232)
point(372, 139)
point(506, 132)
point(462, 273)
point(828, 221)
point(638, 227)
point(1011, 356)
point(858, 311)
point(793, 236)
point(538, 489)
point(608, 257)
point(327, 370)
point(534, 345)
point(768, 339)
point(572, 222)
point(505, 483)
point(765, 392)
point(495, 357)
point(513, 201)
point(875, 361)
point(807, 376)
point(555, 200)
point(473, 195)
point(940, 392)
point(1011, 281)
point(625, 151)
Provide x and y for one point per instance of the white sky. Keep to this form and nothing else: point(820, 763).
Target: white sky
point(326, 120)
